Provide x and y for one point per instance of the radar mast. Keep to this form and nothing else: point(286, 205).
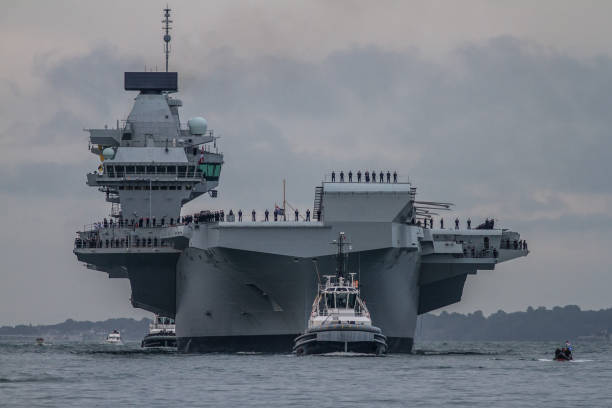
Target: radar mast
point(166, 29)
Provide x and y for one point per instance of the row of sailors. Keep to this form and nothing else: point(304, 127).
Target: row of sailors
point(96, 242)
point(208, 216)
point(428, 222)
point(366, 175)
point(482, 253)
point(204, 216)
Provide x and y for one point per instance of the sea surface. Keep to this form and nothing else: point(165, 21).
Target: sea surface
point(437, 374)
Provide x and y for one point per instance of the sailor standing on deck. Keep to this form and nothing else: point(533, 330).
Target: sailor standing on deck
point(395, 176)
point(253, 215)
point(308, 214)
point(240, 215)
point(297, 213)
point(333, 176)
point(341, 176)
point(388, 176)
point(350, 174)
point(359, 176)
point(267, 213)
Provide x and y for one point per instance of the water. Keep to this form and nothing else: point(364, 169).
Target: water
point(461, 374)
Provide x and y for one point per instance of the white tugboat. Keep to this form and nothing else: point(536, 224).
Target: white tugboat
point(114, 338)
point(162, 334)
point(340, 320)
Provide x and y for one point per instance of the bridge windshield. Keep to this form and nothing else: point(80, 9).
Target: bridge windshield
point(341, 300)
point(330, 301)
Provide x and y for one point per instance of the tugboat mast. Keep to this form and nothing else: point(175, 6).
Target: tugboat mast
point(166, 28)
point(341, 256)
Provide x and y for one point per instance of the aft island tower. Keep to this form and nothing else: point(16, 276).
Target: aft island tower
point(248, 285)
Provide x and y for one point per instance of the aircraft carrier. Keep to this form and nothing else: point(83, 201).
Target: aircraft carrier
point(247, 285)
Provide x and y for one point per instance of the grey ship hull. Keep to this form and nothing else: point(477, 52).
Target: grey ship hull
point(232, 300)
point(249, 286)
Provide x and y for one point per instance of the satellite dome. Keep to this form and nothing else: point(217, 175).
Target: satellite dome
point(197, 125)
point(108, 153)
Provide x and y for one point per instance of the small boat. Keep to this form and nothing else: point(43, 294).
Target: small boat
point(40, 341)
point(563, 354)
point(114, 337)
point(162, 334)
point(340, 320)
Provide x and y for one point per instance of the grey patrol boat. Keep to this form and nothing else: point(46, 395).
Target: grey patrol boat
point(340, 320)
point(248, 286)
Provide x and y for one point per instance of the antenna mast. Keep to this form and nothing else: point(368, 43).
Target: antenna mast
point(166, 28)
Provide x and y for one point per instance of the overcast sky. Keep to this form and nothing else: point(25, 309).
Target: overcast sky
point(502, 108)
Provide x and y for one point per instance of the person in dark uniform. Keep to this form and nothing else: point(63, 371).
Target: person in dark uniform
point(342, 176)
point(382, 177)
point(267, 213)
point(431, 223)
point(308, 214)
point(297, 214)
point(388, 176)
point(373, 176)
point(359, 176)
point(441, 223)
point(240, 215)
point(456, 223)
point(319, 216)
point(333, 176)
point(253, 215)
point(367, 176)
point(395, 176)
point(469, 223)
point(275, 214)
point(350, 174)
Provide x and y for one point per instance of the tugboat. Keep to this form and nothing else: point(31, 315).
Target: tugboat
point(114, 338)
point(162, 334)
point(340, 321)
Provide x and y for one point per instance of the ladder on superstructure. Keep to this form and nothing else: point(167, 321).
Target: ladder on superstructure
point(318, 203)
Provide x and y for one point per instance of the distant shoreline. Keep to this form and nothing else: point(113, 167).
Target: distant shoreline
point(541, 324)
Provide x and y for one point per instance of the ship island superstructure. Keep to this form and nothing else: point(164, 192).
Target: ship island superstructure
point(248, 285)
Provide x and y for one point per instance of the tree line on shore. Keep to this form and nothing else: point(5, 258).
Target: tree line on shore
point(540, 324)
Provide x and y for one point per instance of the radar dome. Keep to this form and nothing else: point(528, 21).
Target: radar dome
point(197, 125)
point(108, 153)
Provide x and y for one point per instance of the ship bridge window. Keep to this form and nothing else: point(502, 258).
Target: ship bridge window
point(126, 136)
point(154, 187)
point(140, 169)
point(129, 169)
point(190, 171)
point(182, 170)
point(329, 298)
point(211, 170)
point(150, 169)
point(486, 242)
point(110, 171)
point(171, 169)
point(351, 300)
point(341, 300)
point(120, 170)
point(161, 170)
